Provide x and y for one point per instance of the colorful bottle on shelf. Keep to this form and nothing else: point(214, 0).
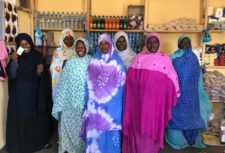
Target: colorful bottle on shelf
point(121, 23)
point(99, 22)
point(106, 22)
point(110, 22)
point(114, 22)
point(125, 23)
point(118, 22)
point(94, 22)
point(103, 22)
point(91, 22)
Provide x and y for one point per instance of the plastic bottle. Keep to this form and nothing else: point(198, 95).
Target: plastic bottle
point(79, 21)
point(76, 20)
point(117, 22)
point(47, 21)
point(125, 23)
point(84, 20)
point(99, 22)
point(35, 19)
point(94, 22)
point(110, 22)
point(63, 20)
point(40, 19)
point(103, 22)
point(59, 21)
point(67, 22)
point(121, 23)
point(56, 21)
point(43, 20)
point(106, 22)
point(72, 21)
point(114, 22)
point(91, 22)
point(51, 21)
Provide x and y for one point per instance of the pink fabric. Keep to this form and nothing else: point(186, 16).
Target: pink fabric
point(156, 61)
point(3, 57)
point(136, 143)
point(151, 90)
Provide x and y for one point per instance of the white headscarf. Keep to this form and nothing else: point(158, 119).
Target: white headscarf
point(128, 54)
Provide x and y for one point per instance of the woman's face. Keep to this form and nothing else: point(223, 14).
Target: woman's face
point(25, 45)
point(185, 43)
point(68, 41)
point(121, 43)
point(80, 49)
point(153, 44)
point(104, 47)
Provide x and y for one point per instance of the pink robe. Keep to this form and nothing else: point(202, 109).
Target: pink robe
point(151, 91)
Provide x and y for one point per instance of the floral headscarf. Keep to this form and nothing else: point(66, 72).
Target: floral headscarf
point(61, 54)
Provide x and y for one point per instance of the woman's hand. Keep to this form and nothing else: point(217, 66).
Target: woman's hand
point(14, 57)
point(40, 68)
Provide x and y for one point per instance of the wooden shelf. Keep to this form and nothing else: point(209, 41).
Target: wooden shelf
point(217, 101)
point(215, 67)
point(111, 30)
point(217, 31)
point(61, 29)
point(175, 31)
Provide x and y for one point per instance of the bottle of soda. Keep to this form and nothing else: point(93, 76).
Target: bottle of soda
point(114, 22)
point(99, 22)
point(110, 22)
point(106, 22)
point(91, 22)
point(117, 22)
point(121, 23)
point(103, 22)
point(125, 23)
point(95, 22)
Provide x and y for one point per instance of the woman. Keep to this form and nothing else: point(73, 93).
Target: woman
point(151, 91)
point(191, 113)
point(70, 99)
point(123, 49)
point(102, 119)
point(61, 55)
point(27, 118)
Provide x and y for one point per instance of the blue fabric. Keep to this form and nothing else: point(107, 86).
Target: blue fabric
point(175, 138)
point(110, 142)
point(102, 118)
point(186, 114)
point(191, 135)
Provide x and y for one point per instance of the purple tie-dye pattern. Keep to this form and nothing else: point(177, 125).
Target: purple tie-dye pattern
point(108, 79)
point(100, 123)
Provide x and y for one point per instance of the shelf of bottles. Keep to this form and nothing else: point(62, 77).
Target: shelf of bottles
point(60, 20)
point(135, 40)
point(110, 24)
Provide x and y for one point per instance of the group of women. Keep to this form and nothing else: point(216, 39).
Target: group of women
point(117, 101)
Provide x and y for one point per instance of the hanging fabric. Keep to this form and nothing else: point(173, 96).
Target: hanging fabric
point(11, 25)
point(3, 56)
